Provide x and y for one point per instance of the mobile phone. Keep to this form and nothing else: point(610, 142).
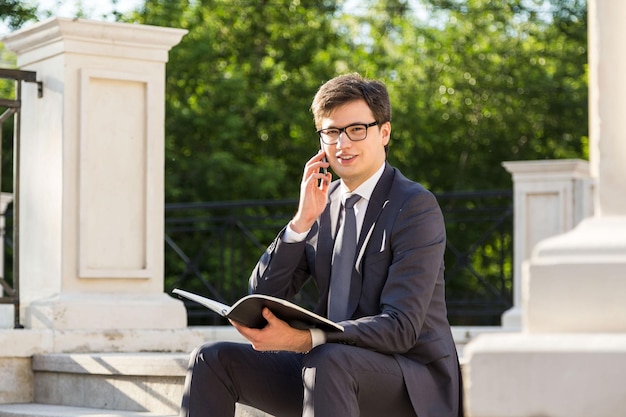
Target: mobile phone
point(324, 171)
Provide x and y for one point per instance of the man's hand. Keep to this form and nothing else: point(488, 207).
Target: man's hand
point(277, 335)
point(313, 196)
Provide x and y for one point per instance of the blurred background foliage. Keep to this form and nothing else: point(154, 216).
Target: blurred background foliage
point(473, 83)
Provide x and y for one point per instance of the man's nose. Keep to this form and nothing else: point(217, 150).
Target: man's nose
point(343, 139)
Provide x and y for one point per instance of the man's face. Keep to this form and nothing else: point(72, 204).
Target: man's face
point(355, 162)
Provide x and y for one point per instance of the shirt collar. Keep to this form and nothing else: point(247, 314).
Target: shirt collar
point(366, 189)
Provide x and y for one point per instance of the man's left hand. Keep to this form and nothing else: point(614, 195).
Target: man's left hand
point(276, 335)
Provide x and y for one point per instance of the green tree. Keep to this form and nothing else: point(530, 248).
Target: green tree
point(238, 90)
point(479, 82)
point(15, 13)
point(474, 83)
point(238, 127)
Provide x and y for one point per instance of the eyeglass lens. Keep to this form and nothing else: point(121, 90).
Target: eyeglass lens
point(354, 132)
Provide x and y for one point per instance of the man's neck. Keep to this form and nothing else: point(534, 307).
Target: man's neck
point(365, 188)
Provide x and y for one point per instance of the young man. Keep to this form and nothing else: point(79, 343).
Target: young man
point(396, 356)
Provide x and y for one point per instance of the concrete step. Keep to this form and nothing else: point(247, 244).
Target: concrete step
point(48, 410)
point(142, 382)
point(111, 384)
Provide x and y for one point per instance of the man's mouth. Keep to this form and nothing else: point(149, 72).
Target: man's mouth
point(345, 157)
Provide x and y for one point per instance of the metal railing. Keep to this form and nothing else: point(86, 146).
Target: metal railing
point(479, 255)
point(9, 281)
point(211, 249)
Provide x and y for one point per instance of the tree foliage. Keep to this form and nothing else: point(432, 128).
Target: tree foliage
point(473, 83)
point(480, 83)
point(239, 86)
point(15, 13)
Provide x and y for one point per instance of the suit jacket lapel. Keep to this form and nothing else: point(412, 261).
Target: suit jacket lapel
point(377, 203)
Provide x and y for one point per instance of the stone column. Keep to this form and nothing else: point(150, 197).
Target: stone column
point(577, 282)
point(570, 359)
point(91, 176)
point(550, 197)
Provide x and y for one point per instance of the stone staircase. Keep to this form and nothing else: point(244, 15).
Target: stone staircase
point(107, 385)
point(148, 383)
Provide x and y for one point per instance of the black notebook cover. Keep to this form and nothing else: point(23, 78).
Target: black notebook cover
point(248, 311)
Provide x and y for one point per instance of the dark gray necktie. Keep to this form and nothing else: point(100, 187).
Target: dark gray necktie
point(343, 263)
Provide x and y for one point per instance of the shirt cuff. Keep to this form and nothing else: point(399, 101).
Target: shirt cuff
point(289, 236)
point(318, 337)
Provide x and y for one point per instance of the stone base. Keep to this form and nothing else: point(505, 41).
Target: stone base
point(558, 375)
point(145, 384)
point(18, 346)
point(7, 314)
point(16, 383)
point(576, 282)
point(28, 342)
point(144, 381)
point(105, 311)
point(512, 319)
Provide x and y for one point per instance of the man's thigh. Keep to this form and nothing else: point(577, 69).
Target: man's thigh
point(269, 381)
point(351, 381)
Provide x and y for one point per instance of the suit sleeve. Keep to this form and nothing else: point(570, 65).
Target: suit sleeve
point(282, 270)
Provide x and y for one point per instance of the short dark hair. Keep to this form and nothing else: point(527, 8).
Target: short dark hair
point(350, 87)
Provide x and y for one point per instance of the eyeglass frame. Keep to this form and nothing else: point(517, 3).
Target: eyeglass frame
point(343, 130)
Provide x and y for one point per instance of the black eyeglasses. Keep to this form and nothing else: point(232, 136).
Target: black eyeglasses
point(355, 132)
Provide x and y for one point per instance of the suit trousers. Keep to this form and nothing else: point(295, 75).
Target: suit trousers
point(332, 380)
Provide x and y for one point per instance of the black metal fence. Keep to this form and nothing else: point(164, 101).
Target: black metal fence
point(211, 249)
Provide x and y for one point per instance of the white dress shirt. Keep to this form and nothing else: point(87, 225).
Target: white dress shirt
point(365, 190)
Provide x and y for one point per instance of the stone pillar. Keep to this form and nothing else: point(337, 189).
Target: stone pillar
point(570, 359)
point(550, 197)
point(577, 281)
point(91, 176)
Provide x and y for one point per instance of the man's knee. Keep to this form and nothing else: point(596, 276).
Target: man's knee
point(331, 357)
point(207, 350)
point(211, 355)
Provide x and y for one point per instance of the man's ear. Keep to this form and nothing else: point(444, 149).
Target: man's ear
point(385, 131)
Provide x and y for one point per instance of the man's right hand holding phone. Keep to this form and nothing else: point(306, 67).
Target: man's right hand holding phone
point(313, 192)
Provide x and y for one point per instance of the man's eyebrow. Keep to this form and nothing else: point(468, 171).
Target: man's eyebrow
point(348, 125)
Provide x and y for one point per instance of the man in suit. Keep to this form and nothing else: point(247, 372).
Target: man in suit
point(396, 356)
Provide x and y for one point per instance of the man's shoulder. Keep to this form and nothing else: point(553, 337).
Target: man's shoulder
point(406, 186)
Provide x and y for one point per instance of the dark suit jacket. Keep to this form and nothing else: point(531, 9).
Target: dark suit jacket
point(397, 295)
